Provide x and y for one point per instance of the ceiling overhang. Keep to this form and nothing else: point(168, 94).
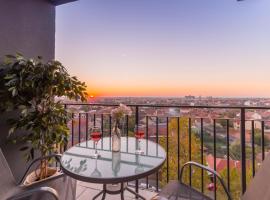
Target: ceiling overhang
point(60, 2)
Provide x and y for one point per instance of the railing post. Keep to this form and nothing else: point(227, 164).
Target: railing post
point(66, 143)
point(137, 123)
point(137, 115)
point(243, 149)
point(79, 139)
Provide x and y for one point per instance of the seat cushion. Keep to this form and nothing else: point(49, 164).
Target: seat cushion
point(175, 190)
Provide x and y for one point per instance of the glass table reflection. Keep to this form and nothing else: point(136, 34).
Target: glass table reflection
point(113, 167)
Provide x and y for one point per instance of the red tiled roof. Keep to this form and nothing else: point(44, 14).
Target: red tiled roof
point(221, 163)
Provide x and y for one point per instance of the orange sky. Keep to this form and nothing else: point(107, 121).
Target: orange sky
point(202, 90)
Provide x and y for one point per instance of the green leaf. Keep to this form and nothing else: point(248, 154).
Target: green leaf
point(10, 76)
point(19, 54)
point(10, 56)
point(11, 131)
point(32, 153)
point(24, 148)
point(24, 112)
point(10, 89)
point(14, 92)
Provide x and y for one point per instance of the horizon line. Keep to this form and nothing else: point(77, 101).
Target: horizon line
point(196, 96)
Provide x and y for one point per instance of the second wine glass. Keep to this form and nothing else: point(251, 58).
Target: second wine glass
point(95, 135)
point(139, 134)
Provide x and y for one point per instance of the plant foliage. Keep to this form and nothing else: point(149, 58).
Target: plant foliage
point(32, 87)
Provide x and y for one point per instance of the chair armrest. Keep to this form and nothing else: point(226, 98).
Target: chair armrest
point(190, 163)
point(56, 156)
point(31, 192)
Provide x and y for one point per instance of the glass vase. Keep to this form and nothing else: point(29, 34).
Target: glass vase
point(116, 162)
point(116, 138)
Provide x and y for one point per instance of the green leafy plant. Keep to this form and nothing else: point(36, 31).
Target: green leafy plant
point(32, 87)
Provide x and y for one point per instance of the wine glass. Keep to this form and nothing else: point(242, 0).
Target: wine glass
point(139, 134)
point(95, 135)
point(139, 169)
point(96, 173)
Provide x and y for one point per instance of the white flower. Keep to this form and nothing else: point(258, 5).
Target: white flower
point(120, 112)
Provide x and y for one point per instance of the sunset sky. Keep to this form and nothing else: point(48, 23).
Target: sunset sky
point(167, 47)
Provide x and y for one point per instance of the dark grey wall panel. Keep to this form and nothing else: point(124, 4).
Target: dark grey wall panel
point(27, 26)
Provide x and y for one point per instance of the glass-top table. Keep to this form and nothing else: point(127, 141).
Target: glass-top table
point(113, 167)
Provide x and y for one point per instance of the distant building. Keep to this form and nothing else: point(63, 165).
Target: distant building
point(189, 97)
point(247, 103)
point(248, 125)
point(249, 117)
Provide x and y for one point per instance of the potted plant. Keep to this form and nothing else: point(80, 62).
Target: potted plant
point(32, 87)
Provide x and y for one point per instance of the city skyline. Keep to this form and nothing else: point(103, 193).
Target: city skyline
point(167, 48)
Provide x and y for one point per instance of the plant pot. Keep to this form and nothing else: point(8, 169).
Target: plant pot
point(64, 185)
point(33, 179)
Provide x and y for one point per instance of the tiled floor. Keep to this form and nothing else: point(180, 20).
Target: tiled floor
point(86, 191)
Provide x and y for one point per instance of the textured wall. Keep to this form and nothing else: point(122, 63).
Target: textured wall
point(27, 26)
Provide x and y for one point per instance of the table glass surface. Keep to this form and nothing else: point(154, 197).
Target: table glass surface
point(79, 163)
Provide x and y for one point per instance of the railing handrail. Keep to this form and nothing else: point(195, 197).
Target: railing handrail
point(172, 106)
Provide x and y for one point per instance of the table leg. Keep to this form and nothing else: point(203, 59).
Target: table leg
point(122, 191)
point(103, 196)
point(135, 193)
point(103, 193)
point(100, 193)
point(137, 188)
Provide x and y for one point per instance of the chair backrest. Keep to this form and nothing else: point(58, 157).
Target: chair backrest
point(259, 186)
point(7, 182)
point(14, 157)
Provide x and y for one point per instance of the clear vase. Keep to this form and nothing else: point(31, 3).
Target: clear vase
point(116, 162)
point(116, 139)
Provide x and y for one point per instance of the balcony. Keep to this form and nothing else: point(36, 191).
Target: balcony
point(231, 140)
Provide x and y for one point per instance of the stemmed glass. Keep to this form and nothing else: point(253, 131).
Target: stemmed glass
point(96, 173)
point(139, 134)
point(95, 134)
point(139, 169)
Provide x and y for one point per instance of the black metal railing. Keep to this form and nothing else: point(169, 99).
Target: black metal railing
point(94, 113)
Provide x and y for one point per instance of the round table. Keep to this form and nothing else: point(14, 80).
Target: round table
point(113, 167)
